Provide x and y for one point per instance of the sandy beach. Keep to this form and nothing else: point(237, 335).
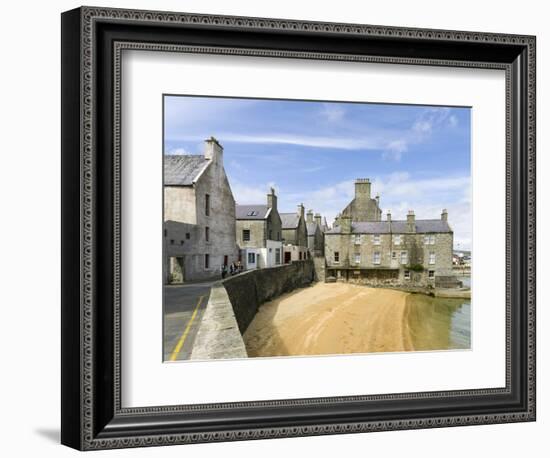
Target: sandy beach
point(331, 318)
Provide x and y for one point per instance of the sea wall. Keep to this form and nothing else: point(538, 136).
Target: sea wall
point(251, 289)
point(218, 336)
point(234, 302)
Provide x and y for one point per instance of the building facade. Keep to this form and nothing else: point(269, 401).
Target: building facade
point(294, 235)
point(199, 216)
point(392, 252)
point(259, 234)
point(315, 234)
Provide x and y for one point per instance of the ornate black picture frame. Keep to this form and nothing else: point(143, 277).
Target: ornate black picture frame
point(92, 41)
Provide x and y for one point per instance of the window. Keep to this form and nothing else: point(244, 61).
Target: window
point(429, 239)
point(207, 261)
point(165, 233)
point(246, 235)
point(207, 204)
point(270, 234)
point(357, 239)
point(251, 258)
point(171, 241)
point(394, 254)
point(252, 213)
point(207, 234)
point(336, 256)
point(376, 257)
point(397, 239)
point(431, 273)
point(407, 275)
point(376, 239)
point(277, 255)
point(187, 235)
point(404, 257)
point(357, 258)
point(278, 236)
point(432, 258)
point(181, 242)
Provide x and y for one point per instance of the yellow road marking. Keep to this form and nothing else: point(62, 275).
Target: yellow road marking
point(178, 347)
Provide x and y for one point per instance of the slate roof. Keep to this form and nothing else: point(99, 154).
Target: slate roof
point(289, 220)
point(251, 211)
point(182, 170)
point(311, 227)
point(423, 226)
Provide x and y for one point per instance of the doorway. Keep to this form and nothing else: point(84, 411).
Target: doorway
point(176, 273)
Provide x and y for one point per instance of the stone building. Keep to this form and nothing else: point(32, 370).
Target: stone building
point(199, 216)
point(397, 252)
point(315, 234)
point(363, 207)
point(294, 234)
point(259, 234)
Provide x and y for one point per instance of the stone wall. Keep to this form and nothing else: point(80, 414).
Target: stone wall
point(320, 268)
point(218, 336)
point(249, 290)
point(235, 301)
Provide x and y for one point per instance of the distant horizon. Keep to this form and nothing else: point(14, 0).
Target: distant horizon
point(417, 157)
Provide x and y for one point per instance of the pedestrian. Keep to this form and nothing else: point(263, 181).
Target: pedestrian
point(224, 271)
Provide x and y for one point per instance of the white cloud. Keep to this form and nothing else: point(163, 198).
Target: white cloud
point(332, 112)
point(453, 121)
point(395, 149)
point(177, 151)
point(301, 140)
point(245, 194)
point(399, 193)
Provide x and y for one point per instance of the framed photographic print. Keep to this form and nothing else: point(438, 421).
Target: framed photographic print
point(279, 228)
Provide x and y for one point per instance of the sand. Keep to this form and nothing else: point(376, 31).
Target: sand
point(331, 318)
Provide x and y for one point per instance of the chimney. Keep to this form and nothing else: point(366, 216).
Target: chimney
point(301, 210)
point(411, 226)
point(377, 199)
point(318, 219)
point(345, 224)
point(309, 218)
point(272, 199)
point(362, 188)
point(213, 151)
point(444, 215)
point(388, 217)
point(337, 220)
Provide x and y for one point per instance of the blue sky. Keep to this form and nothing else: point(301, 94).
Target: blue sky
point(418, 157)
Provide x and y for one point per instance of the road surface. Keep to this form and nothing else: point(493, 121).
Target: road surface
point(184, 306)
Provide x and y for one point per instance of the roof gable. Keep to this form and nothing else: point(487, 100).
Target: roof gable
point(183, 170)
point(289, 220)
point(251, 211)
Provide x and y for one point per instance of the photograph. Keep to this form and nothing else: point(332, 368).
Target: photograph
point(312, 227)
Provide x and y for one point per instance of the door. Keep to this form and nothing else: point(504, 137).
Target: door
point(287, 257)
point(225, 260)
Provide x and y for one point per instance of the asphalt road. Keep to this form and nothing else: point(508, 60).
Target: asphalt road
point(184, 306)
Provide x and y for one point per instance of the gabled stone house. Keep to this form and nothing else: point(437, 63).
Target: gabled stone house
point(199, 216)
point(399, 252)
point(315, 234)
point(294, 233)
point(259, 234)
